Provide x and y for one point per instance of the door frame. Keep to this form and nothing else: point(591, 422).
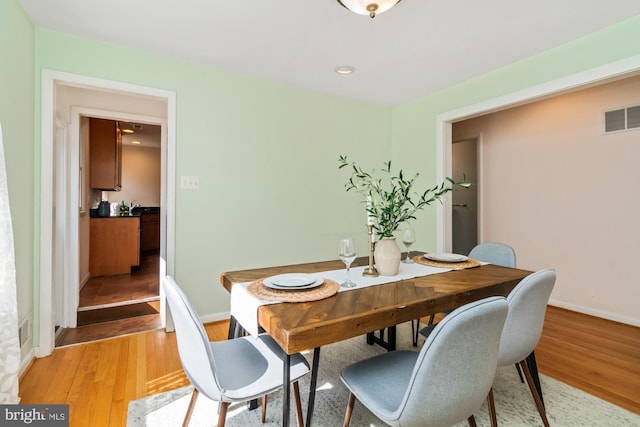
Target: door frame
point(72, 284)
point(46, 305)
point(444, 122)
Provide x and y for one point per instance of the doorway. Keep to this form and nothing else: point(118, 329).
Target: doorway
point(464, 206)
point(127, 301)
point(114, 94)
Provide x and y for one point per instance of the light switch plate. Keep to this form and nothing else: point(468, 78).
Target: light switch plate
point(189, 182)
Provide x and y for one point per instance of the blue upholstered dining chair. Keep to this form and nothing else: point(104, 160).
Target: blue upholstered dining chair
point(236, 370)
point(442, 384)
point(494, 253)
point(523, 328)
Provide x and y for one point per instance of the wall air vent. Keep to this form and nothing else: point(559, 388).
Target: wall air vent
point(24, 331)
point(622, 119)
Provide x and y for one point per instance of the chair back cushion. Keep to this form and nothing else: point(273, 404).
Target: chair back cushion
point(527, 307)
point(495, 253)
point(193, 343)
point(456, 366)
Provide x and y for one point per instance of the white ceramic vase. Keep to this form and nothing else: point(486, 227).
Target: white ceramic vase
point(387, 256)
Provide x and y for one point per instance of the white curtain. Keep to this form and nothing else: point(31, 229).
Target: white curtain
point(9, 344)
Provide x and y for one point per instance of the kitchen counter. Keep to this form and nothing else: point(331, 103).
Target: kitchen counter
point(93, 213)
point(136, 212)
point(114, 246)
point(146, 209)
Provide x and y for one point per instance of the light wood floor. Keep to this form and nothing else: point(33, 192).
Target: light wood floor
point(99, 379)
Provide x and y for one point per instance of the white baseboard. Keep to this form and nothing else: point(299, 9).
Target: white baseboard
point(215, 317)
point(26, 361)
point(84, 280)
point(597, 313)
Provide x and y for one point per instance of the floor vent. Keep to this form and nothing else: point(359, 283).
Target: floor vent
point(622, 119)
point(24, 332)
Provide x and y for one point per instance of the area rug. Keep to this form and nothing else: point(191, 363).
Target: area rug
point(566, 406)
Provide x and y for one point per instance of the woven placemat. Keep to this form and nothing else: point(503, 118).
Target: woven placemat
point(469, 263)
point(327, 289)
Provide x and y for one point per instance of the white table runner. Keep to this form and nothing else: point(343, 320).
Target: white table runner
point(244, 307)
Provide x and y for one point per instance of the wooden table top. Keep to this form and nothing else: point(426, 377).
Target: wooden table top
point(303, 326)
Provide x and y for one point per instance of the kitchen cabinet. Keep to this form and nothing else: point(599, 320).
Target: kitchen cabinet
point(150, 233)
point(105, 154)
point(114, 245)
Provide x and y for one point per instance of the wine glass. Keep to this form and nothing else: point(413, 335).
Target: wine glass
point(408, 239)
point(347, 253)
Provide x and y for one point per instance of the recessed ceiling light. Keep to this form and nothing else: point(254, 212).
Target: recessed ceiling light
point(127, 130)
point(135, 142)
point(345, 69)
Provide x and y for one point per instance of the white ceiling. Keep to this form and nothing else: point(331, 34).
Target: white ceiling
point(415, 49)
point(147, 135)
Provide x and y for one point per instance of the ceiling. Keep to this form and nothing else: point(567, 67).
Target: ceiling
point(415, 49)
point(148, 136)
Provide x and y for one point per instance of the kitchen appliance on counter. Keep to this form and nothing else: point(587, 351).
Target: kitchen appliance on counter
point(104, 208)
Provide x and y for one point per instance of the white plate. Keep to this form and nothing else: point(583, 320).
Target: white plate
point(317, 282)
point(291, 280)
point(446, 257)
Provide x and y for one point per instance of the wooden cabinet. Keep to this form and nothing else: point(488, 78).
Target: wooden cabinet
point(150, 233)
point(114, 245)
point(105, 154)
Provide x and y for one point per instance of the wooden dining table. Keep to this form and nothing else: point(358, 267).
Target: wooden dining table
point(304, 326)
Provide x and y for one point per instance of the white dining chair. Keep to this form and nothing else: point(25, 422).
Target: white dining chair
point(494, 253)
point(442, 384)
point(523, 328)
point(236, 370)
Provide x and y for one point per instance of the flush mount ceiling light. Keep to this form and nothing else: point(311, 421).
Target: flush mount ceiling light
point(345, 69)
point(127, 130)
point(368, 7)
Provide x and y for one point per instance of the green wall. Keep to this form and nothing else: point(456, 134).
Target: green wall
point(17, 118)
point(266, 155)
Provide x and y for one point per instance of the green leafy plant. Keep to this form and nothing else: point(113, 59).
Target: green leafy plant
point(390, 198)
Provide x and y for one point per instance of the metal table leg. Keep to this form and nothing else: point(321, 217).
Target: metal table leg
point(312, 387)
point(389, 344)
point(286, 388)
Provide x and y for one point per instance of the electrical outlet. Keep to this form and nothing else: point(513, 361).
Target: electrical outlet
point(189, 182)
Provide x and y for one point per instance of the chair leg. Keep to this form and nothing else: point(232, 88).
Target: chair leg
point(472, 421)
point(349, 411)
point(431, 319)
point(192, 404)
point(222, 417)
point(264, 408)
point(534, 392)
point(520, 373)
point(492, 409)
point(296, 392)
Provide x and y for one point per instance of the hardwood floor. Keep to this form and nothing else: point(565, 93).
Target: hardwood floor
point(598, 356)
point(112, 306)
point(99, 379)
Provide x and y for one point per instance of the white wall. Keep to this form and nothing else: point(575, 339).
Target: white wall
point(140, 176)
point(565, 196)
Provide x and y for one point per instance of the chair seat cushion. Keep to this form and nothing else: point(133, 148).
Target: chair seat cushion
point(382, 393)
point(250, 367)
